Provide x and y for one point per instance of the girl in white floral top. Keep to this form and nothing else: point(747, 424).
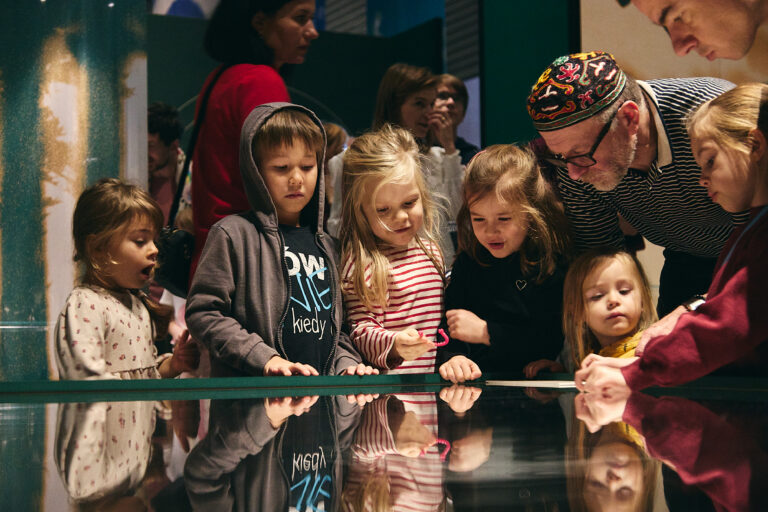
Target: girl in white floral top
point(108, 326)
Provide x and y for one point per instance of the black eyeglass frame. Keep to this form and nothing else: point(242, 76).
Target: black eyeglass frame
point(586, 159)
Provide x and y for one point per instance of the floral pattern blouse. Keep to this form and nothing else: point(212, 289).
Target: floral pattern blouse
point(105, 334)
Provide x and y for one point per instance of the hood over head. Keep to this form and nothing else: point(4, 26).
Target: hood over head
point(255, 188)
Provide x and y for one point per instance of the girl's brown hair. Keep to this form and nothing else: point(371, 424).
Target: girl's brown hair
point(511, 173)
point(578, 335)
point(103, 211)
point(389, 155)
point(399, 82)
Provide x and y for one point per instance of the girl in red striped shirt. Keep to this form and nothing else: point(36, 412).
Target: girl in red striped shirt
point(392, 268)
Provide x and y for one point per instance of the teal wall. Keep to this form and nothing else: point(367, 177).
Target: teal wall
point(518, 41)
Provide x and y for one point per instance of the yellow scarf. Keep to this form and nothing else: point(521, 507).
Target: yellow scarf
point(622, 348)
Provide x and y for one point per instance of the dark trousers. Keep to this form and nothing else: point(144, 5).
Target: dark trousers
point(682, 277)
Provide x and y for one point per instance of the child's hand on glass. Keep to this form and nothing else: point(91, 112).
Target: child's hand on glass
point(186, 355)
point(466, 326)
point(410, 344)
point(277, 366)
point(360, 369)
point(532, 369)
point(460, 369)
point(280, 409)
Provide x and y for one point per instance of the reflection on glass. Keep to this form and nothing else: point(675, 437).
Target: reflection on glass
point(103, 452)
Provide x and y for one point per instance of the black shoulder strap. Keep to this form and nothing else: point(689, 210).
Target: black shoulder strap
point(191, 145)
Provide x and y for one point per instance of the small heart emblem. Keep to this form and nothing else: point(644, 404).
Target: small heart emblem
point(521, 283)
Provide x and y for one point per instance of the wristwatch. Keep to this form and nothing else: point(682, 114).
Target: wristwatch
point(694, 302)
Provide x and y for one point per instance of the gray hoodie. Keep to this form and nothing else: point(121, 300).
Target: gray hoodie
point(240, 291)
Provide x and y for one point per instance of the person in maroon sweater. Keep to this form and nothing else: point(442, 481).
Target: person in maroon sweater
point(254, 38)
point(730, 326)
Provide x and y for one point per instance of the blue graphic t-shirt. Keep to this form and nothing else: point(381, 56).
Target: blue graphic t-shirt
point(307, 330)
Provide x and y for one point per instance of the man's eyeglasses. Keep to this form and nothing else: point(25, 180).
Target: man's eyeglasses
point(585, 159)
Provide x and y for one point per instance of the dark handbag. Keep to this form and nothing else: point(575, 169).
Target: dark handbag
point(176, 246)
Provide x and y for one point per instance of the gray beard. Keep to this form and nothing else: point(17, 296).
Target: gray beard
point(609, 179)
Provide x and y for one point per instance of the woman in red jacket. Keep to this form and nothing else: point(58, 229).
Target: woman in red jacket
point(254, 39)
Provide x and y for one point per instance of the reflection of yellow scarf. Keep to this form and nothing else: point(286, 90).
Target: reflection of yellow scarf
point(622, 348)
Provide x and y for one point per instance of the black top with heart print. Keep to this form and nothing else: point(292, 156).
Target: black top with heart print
point(524, 317)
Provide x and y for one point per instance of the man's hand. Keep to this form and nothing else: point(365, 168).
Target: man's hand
point(602, 375)
point(466, 326)
point(277, 366)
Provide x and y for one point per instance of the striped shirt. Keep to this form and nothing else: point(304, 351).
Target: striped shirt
point(414, 483)
point(415, 293)
point(665, 204)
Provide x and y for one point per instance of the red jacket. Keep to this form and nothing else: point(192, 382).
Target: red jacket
point(217, 188)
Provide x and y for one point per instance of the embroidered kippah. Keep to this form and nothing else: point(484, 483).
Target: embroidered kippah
point(573, 88)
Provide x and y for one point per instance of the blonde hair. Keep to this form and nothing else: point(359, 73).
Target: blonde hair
point(729, 118)
point(105, 210)
point(374, 159)
point(511, 173)
point(578, 335)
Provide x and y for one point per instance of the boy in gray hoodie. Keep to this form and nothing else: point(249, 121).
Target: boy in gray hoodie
point(265, 298)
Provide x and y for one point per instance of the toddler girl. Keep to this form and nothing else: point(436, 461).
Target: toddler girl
point(392, 267)
point(108, 326)
point(607, 304)
point(504, 299)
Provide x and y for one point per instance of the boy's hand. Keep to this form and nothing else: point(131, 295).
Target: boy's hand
point(531, 369)
point(186, 355)
point(281, 408)
point(466, 326)
point(409, 344)
point(360, 369)
point(277, 366)
point(460, 398)
point(460, 369)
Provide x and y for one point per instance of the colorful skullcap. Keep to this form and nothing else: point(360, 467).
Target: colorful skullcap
point(573, 88)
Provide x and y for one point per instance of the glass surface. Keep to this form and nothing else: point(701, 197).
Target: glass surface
point(428, 448)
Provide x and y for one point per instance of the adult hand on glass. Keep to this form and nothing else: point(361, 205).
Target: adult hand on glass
point(410, 344)
point(460, 369)
point(601, 374)
point(460, 398)
point(281, 408)
point(277, 366)
point(466, 326)
point(661, 328)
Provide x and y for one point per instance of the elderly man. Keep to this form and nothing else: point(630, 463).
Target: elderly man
point(715, 29)
point(623, 149)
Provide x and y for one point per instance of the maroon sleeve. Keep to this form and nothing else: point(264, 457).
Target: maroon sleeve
point(704, 449)
point(729, 326)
